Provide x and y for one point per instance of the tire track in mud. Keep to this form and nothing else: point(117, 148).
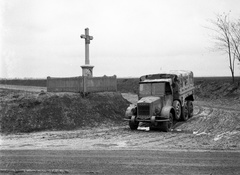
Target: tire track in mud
point(210, 127)
point(219, 119)
point(207, 124)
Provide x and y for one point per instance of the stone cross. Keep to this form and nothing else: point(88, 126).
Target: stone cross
point(87, 38)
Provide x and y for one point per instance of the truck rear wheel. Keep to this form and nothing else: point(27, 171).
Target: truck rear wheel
point(133, 124)
point(190, 108)
point(178, 111)
point(185, 114)
point(167, 126)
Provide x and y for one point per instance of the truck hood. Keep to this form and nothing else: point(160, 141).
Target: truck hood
point(149, 99)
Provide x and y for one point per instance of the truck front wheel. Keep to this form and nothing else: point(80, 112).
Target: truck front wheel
point(185, 114)
point(167, 126)
point(133, 124)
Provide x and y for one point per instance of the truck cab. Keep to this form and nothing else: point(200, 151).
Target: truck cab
point(162, 98)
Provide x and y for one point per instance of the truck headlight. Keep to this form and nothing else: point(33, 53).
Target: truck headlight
point(157, 111)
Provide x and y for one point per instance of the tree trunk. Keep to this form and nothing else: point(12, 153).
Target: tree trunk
point(233, 77)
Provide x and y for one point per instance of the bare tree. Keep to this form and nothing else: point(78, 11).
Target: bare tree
point(236, 39)
point(227, 38)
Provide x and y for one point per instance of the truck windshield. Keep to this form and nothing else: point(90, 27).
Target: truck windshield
point(151, 89)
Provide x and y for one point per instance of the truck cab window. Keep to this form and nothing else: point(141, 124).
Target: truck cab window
point(168, 89)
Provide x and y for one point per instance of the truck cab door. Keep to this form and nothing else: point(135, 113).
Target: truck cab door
point(168, 95)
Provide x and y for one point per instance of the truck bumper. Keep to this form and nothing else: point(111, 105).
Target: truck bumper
point(151, 119)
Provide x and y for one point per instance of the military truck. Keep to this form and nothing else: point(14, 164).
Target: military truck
point(162, 99)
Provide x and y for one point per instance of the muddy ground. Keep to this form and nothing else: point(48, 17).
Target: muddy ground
point(214, 126)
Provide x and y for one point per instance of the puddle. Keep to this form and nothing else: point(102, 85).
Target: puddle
point(201, 133)
point(182, 131)
point(196, 110)
point(206, 111)
point(224, 135)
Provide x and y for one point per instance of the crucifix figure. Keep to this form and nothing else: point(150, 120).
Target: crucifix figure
point(87, 68)
point(87, 38)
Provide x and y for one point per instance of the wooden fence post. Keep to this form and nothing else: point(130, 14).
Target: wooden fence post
point(84, 85)
point(115, 78)
point(48, 79)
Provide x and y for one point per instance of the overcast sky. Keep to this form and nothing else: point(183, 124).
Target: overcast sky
point(41, 38)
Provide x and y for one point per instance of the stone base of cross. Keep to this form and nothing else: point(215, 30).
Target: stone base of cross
point(87, 70)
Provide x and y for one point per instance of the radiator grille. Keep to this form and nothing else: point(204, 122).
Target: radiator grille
point(143, 109)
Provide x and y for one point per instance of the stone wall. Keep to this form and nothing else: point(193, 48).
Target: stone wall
point(82, 84)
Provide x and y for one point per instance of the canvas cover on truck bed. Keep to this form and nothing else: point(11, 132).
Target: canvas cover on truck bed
point(181, 80)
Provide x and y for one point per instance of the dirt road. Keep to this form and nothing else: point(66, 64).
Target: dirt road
point(118, 162)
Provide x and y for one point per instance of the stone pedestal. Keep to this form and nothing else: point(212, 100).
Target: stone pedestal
point(87, 70)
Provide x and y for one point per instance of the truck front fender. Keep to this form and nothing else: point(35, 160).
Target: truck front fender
point(131, 110)
point(166, 110)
